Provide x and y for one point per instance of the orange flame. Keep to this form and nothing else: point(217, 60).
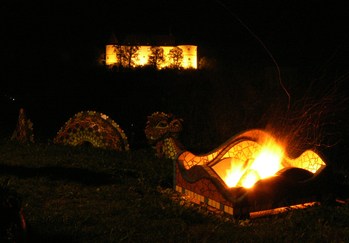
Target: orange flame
point(265, 162)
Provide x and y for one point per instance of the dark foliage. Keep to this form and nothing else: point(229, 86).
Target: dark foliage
point(12, 221)
point(83, 194)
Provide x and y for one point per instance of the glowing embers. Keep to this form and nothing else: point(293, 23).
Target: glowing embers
point(249, 162)
point(251, 172)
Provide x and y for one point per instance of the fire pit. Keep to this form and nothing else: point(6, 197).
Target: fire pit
point(251, 175)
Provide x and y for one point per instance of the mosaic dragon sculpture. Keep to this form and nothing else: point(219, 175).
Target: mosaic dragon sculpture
point(203, 177)
point(162, 131)
point(95, 128)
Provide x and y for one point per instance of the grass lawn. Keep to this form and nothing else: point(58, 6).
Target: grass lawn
point(89, 195)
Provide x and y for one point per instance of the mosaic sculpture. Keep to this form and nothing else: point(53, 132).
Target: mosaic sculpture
point(94, 128)
point(206, 178)
point(162, 132)
point(24, 129)
point(231, 177)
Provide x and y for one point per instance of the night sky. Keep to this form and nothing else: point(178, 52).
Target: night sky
point(293, 31)
point(40, 40)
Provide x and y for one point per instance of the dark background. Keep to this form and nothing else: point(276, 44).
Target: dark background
point(295, 32)
point(49, 53)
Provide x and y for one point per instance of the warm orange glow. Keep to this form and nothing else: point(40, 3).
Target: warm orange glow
point(110, 55)
point(143, 56)
point(247, 162)
point(143, 53)
point(189, 56)
point(265, 163)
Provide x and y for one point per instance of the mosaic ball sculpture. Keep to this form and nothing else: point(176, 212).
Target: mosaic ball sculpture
point(94, 128)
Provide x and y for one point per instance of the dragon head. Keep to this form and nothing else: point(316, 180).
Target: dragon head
point(161, 126)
